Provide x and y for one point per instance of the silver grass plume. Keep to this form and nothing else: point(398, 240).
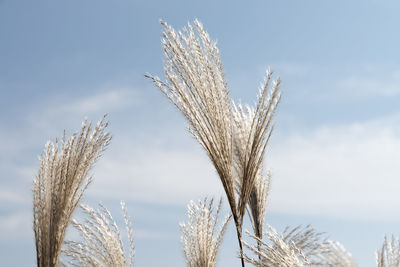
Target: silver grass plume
point(252, 131)
point(274, 252)
point(102, 244)
point(196, 86)
point(336, 255)
point(200, 240)
point(389, 254)
point(244, 118)
point(257, 203)
point(61, 180)
point(297, 247)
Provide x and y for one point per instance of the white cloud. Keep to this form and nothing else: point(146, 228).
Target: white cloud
point(354, 82)
point(16, 225)
point(66, 111)
point(348, 171)
point(114, 99)
point(291, 68)
point(11, 141)
point(371, 84)
point(155, 175)
point(9, 197)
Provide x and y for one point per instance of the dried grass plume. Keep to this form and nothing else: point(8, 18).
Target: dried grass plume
point(200, 238)
point(102, 244)
point(389, 254)
point(297, 247)
point(61, 180)
point(252, 131)
point(195, 84)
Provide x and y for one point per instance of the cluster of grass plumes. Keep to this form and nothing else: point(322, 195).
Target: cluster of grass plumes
point(235, 138)
point(59, 185)
point(297, 247)
point(200, 237)
point(196, 86)
point(102, 244)
point(389, 254)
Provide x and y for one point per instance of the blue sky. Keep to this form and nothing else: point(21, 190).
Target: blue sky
point(334, 152)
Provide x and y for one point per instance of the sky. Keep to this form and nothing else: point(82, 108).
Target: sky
point(333, 155)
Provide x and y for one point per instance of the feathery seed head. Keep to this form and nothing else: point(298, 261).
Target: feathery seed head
point(252, 130)
point(233, 138)
point(389, 254)
point(196, 86)
point(102, 244)
point(299, 246)
point(61, 180)
point(200, 238)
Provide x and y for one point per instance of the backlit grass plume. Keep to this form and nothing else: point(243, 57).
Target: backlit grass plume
point(200, 237)
point(253, 128)
point(102, 244)
point(336, 255)
point(257, 203)
point(389, 254)
point(252, 131)
point(297, 247)
point(274, 252)
point(59, 185)
point(197, 87)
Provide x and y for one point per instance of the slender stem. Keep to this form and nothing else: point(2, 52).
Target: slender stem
point(239, 236)
point(259, 250)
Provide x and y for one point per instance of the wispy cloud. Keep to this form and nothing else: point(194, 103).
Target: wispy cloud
point(353, 82)
point(108, 100)
point(10, 197)
point(347, 171)
point(289, 69)
point(371, 84)
point(66, 111)
point(155, 175)
point(16, 225)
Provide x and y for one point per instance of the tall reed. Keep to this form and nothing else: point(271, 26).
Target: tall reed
point(102, 245)
point(252, 131)
point(200, 238)
point(61, 180)
point(196, 86)
point(389, 254)
point(297, 247)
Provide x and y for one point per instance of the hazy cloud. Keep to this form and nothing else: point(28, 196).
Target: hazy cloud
point(16, 225)
point(108, 100)
point(347, 171)
point(291, 68)
point(155, 175)
point(70, 110)
point(10, 197)
point(372, 84)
